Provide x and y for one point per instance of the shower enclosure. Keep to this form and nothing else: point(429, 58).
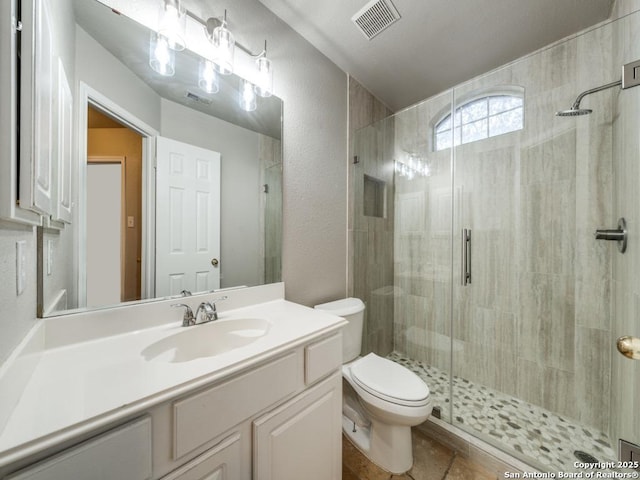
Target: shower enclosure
point(473, 246)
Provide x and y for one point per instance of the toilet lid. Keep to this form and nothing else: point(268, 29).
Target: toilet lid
point(389, 381)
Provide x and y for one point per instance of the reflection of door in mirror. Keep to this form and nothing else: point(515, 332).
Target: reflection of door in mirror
point(108, 138)
point(188, 218)
point(105, 204)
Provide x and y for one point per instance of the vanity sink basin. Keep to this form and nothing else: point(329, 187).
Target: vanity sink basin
point(207, 340)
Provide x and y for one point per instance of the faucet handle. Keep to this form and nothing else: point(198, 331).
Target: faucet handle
point(187, 317)
point(219, 299)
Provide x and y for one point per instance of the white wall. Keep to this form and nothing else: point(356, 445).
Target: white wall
point(105, 73)
point(315, 162)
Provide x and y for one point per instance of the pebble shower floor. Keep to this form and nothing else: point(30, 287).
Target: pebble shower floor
point(527, 430)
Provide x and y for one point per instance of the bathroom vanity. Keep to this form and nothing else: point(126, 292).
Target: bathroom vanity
point(128, 393)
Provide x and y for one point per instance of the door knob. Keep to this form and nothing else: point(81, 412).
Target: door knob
point(214, 262)
point(629, 347)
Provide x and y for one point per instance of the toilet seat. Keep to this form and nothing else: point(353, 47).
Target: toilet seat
point(389, 381)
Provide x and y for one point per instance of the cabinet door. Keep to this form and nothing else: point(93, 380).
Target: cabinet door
point(9, 92)
point(123, 453)
point(65, 139)
point(36, 111)
point(221, 462)
point(302, 438)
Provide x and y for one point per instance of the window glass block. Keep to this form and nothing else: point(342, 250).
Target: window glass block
point(473, 111)
point(475, 131)
point(502, 103)
point(505, 122)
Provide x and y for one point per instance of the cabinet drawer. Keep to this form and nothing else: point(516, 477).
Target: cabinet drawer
point(121, 453)
point(321, 358)
point(202, 417)
point(221, 462)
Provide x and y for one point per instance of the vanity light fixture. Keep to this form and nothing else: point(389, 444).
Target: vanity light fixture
point(208, 79)
point(161, 57)
point(413, 167)
point(247, 97)
point(172, 23)
point(223, 47)
point(264, 84)
point(170, 37)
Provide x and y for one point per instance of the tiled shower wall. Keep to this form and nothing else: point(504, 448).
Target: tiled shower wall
point(271, 206)
point(535, 322)
point(371, 236)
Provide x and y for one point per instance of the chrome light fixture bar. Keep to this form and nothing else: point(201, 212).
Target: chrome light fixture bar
point(219, 35)
point(171, 36)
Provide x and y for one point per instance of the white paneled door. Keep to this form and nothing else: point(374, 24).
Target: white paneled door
point(187, 218)
point(105, 183)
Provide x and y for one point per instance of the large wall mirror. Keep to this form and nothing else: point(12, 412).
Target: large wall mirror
point(170, 188)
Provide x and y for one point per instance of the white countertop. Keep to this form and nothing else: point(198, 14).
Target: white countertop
point(80, 386)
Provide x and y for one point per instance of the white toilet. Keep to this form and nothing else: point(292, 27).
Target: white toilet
point(382, 400)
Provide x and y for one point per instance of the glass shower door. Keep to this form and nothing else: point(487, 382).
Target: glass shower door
point(531, 341)
point(422, 249)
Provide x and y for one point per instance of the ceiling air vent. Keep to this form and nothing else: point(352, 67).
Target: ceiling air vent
point(197, 98)
point(375, 17)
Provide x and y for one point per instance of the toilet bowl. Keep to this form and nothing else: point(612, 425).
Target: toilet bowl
point(382, 400)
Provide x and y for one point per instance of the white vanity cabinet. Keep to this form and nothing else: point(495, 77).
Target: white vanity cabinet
point(272, 422)
point(277, 417)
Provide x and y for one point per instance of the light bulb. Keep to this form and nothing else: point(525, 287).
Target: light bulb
point(161, 56)
point(172, 24)
point(264, 84)
point(248, 100)
point(223, 45)
point(208, 78)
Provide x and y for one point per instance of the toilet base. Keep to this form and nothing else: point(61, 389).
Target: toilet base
point(388, 446)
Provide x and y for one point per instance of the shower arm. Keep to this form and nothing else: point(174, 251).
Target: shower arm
point(576, 104)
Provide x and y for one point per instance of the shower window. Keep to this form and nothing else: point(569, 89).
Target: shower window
point(480, 118)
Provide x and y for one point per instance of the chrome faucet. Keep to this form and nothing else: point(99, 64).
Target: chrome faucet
point(207, 308)
point(187, 318)
point(210, 313)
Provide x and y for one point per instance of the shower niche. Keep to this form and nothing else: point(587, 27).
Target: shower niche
point(374, 197)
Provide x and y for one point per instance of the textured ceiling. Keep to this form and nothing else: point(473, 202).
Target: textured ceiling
point(437, 43)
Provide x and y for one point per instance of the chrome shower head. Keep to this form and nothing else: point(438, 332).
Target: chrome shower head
point(574, 112)
point(575, 109)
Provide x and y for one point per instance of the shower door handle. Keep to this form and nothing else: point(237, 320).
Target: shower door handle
point(466, 257)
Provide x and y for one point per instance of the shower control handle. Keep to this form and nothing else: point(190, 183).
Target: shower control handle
point(619, 235)
point(466, 257)
point(616, 235)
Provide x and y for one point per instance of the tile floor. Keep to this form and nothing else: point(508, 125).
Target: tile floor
point(536, 435)
point(432, 461)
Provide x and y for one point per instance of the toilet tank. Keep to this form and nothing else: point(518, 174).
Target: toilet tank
point(352, 310)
